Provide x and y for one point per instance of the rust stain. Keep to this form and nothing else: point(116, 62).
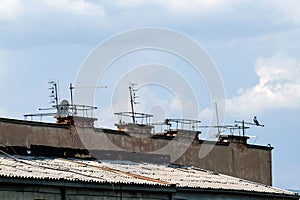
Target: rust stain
point(108, 169)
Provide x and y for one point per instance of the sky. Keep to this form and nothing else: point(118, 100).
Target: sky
point(253, 44)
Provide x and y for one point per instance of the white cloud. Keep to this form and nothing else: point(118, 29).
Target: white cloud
point(3, 112)
point(3, 86)
point(192, 6)
point(285, 11)
point(3, 66)
point(77, 6)
point(205, 114)
point(278, 87)
point(9, 9)
point(182, 6)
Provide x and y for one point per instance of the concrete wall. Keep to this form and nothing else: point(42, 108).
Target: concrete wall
point(232, 158)
point(236, 159)
point(222, 196)
point(16, 192)
point(25, 133)
point(37, 190)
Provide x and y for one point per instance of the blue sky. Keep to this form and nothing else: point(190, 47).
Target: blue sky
point(254, 44)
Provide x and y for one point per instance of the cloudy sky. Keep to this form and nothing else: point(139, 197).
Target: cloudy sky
point(254, 44)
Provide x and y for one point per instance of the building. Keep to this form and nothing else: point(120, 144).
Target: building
point(36, 177)
point(231, 155)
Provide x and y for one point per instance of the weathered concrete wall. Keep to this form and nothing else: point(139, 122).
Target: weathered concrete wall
point(82, 194)
point(222, 196)
point(31, 190)
point(232, 158)
point(25, 133)
point(235, 159)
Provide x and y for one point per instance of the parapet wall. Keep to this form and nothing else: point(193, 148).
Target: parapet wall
point(251, 162)
point(233, 158)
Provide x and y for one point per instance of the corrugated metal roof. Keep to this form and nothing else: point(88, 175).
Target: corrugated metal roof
point(125, 172)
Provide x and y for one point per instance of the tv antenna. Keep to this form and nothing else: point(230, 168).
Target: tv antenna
point(138, 118)
point(62, 108)
point(53, 93)
point(133, 98)
point(217, 117)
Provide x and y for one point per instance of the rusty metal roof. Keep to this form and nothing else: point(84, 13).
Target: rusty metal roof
point(125, 172)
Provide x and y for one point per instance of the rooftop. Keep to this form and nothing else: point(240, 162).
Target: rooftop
point(125, 173)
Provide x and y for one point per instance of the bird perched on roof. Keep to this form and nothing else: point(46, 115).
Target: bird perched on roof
point(255, 121)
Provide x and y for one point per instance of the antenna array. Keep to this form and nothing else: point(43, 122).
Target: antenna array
point(53, 93)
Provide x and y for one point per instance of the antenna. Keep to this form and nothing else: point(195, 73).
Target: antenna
point(71, 95)
point(217, 116)
point(248, 123)
point(53, 93)
point(81, 87)
point(133, 98)
point(62, 113)
point(141, 121)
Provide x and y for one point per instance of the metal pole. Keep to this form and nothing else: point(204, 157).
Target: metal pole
point(56, 98)
point(217, 116)
point(131, 102)
point(243, 122)
point(71, 93)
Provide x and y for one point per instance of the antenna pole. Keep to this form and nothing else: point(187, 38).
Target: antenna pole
point(71, 93)
point(243, 124)
point(131, 102)
point(56, 98)
point(217, 116)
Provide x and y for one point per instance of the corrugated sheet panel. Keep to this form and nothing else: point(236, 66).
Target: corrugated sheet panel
point(124, 172)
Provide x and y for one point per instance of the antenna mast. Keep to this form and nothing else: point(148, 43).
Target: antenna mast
point(71, 95)
point(82, 87)
point(132, 100)
point(53, 93)
point(217, 116)
point(247, 123)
